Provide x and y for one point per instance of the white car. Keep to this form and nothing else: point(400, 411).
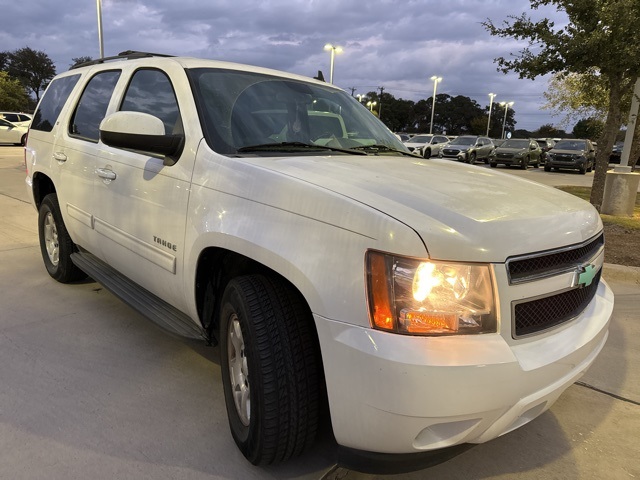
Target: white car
point(426, 145)
point(272, 214)
point(20, 119)
point(11, 133)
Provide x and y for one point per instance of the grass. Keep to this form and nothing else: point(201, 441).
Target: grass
point(629, 223)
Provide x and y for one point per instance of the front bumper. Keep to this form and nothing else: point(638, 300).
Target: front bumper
point(400, 394)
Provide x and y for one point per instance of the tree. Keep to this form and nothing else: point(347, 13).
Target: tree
point(587, 93)
point(549, 131)
point(33, 68)
point(590, 128)
point(79, 60)
point(13, 96)
point(4, 61)
point(597, 36)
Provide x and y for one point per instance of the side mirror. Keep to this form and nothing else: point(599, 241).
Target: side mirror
point(140, 131)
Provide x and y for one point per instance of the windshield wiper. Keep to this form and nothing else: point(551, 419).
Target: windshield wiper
point(384, 148)
point(284, 146)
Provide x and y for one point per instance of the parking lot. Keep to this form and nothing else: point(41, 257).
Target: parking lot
point(93, 390)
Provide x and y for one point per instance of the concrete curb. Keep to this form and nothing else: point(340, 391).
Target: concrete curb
point(621, 273)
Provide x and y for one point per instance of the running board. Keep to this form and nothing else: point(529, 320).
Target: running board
point(154, 308)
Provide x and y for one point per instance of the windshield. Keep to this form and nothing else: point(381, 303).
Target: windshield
point(464, 141)
point(241, 109)
point(570, 145)
point(421, 139)
point(516, 144)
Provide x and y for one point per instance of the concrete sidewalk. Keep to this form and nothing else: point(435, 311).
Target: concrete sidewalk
point(90, 389)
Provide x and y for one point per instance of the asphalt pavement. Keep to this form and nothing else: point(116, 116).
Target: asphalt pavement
point(90, 389)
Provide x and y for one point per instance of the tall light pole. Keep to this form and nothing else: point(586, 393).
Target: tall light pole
point(491, 96)
point(333, 49)
point(506, 106)
point(100, 42)
point(360, 96)
point(435, 79)
point(371, 105)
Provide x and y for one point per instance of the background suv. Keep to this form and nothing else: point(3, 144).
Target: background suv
point(571, 154)
point(516, 151)
point(426, 145)
point(468, 148)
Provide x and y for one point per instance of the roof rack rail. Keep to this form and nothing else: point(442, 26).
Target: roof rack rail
point(126, 55)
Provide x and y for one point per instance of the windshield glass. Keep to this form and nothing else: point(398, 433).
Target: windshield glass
point(241, 109)
point(421, 139)
point(516, 144)
point(570, 145)
point(464, 141)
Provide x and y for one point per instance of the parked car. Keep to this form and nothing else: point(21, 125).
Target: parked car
point(396, 300)
point(616, 152)
point(516, 151)
point(571, 155)
point(426, 145)
point(468, 148)
point(11, 133)
point(546, 144)
point(19, 119)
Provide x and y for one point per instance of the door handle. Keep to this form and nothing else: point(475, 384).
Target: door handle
point(106, 173)
point(59, 157)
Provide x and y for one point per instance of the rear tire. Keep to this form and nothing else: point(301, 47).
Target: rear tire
point(55, 243)
point(270, 369)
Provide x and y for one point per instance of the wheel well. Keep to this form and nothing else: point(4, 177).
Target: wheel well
point(42, 186)
point(216, 268)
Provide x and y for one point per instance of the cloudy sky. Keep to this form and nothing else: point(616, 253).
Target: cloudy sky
point(395, 44)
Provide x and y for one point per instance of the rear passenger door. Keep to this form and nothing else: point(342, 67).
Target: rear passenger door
point(141, 203)
point(75, 153)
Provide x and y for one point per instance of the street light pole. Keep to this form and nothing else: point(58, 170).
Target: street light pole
point(333, 49)
point(491, 96)
point(506, 106)
point(371, 105)
point(100, 42)
point(435, 79)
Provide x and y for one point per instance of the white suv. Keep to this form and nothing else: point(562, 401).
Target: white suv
point(272, 213)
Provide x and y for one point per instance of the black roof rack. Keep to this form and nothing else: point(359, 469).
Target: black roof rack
point(126, 55)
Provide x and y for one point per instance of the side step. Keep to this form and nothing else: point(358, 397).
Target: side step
point(154, 308)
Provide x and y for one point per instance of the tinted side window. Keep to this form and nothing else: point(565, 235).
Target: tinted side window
point(11, 117)
point(51, 104)
point(92, 106)
point(150, 91)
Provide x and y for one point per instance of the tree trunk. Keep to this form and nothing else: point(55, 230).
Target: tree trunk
point(611, 129)
point(635, 148)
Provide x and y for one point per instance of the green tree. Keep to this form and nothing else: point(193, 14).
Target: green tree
point(590, 128)
point(587, 94)
point(597, 36)
point(79, 60)
point(33, 68)
point(4, 61)
point(549, 131)
point(13, 96)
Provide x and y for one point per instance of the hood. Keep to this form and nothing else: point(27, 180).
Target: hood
point(509, 150)
point(461, 212)
point(567, 152)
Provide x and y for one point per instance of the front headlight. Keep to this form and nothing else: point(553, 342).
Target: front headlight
point(423, 297)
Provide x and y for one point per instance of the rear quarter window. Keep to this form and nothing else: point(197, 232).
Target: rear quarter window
point(51, 104)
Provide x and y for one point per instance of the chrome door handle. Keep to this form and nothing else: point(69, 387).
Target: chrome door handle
point(106, 173)
point(59, 157)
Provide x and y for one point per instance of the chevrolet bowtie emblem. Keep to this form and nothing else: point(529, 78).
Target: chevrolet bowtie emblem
point(586, 274)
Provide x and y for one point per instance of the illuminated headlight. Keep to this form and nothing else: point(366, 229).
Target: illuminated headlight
point(423, 297)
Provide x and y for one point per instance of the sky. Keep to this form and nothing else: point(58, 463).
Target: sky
point(395, 44)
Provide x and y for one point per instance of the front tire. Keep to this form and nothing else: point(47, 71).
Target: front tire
point(270, 369)
point(55, 243)
point(472, 158)
point(427, 153)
